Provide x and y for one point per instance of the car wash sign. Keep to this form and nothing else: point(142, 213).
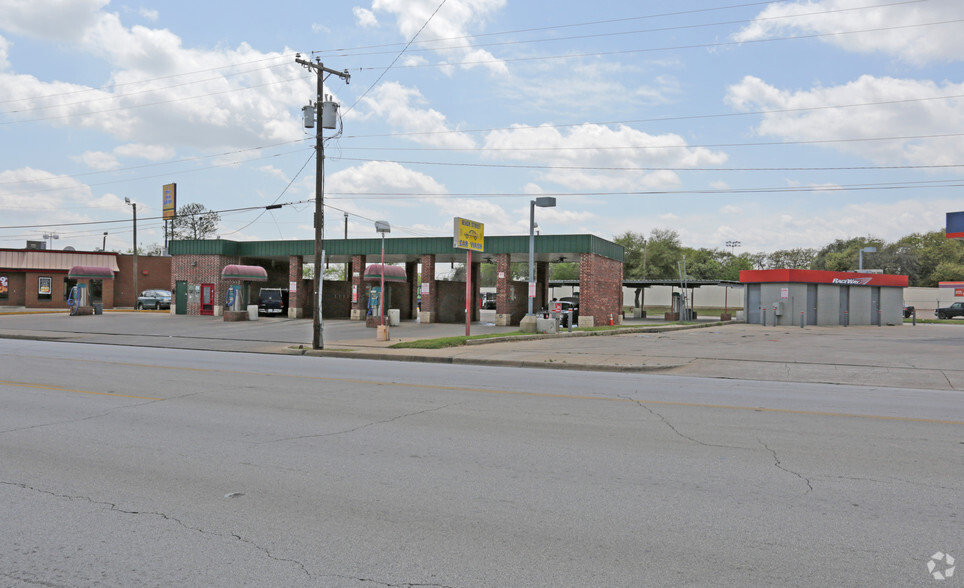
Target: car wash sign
point(469, 235)
point(796, 276)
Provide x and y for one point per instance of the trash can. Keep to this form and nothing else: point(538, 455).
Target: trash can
point(252, 312)
point(394, 317)
point(98, 308)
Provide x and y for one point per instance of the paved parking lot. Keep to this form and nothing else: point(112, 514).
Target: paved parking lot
point(922, 356)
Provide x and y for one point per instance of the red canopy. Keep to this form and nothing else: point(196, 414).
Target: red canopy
point(393, 273)
point(90, 271)
point(252, 273)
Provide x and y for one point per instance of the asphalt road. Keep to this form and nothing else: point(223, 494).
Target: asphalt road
point(125, 466)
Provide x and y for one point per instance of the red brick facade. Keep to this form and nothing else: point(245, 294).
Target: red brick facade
point(600, 289)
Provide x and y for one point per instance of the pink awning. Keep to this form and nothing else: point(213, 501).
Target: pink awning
point(251, 273)
point(90, 271)
point(393, 273)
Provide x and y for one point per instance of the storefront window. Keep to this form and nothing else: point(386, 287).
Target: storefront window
point(4, 288)
point(44, 287)
point(68, 284)
point(96, 291)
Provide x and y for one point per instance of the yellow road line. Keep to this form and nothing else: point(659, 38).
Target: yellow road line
point(62, 389)
point(536, 394)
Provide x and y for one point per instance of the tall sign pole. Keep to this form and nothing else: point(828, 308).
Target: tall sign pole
point(468, 235)
point(317, 338)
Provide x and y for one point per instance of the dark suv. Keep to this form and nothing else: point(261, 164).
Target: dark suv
point(956, 309)
point(273, 301)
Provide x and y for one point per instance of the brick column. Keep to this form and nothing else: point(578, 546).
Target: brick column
point(296, 299)
point(429, 311)
point(542, 285)
point(503, 290)
point(600, 290)
point(359, 305)
point(476, 289)
point(411, 275)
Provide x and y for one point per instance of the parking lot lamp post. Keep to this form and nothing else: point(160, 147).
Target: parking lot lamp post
point(134, 206)
point(382, 227)
point(544, 202)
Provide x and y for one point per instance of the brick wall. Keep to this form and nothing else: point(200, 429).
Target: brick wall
point(200, 269)
point(153, 273)
point(600, 288)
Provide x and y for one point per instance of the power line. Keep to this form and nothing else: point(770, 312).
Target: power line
point(346, 52)
point(662, 168)
point(672, 48)
point(626, 33)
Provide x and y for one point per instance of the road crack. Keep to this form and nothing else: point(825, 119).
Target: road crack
point(779, 465)
point(114, 508)
point(359, 427)
point(673, 428)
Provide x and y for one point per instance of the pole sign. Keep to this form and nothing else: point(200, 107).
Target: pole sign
point(469, 235)
point(169, 201)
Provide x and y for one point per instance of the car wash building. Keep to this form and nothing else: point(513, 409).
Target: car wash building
point(201, 285)
point(789, 297)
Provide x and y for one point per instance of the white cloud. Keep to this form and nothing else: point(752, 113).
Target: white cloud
point(895, 108)
point(53, 20)
point(599, 146)
point(149, 14)
point(148, 100)
point(914, 44)
point(451, 24)
point(149, 152)
point(99, 160)
point(396, 104)
point(364, 17)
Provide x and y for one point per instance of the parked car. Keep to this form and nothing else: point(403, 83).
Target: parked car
point(908, 310)
point(956, 309)
point(273, 301)
point(565, 305)
point(488, 301)
point(154, 300)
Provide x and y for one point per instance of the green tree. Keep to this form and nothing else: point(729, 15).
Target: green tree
point(663, 252)
point(193, 221)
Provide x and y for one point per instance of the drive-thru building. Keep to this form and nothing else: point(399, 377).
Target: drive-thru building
point(200, 287)
point(785, 296)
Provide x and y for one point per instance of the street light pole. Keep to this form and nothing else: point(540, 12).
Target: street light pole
point(544, 202)
point(382, 227)
point(134, 206)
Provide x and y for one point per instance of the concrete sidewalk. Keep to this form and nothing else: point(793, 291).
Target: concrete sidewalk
point(922, 356)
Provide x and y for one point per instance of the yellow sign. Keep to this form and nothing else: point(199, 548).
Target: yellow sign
point(169, 202)
point(469, 235)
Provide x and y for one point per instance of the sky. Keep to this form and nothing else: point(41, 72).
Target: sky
point(774, 124)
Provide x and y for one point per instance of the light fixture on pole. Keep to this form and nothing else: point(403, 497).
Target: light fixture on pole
point(733, 244)
point(134, 206)
point(860, 267)
point(382, 227)
point(50, 237)
point(543, 202)
point(103, 247)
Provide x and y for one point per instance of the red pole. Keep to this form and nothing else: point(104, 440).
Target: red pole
point(381, 297)
point(468, 292)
